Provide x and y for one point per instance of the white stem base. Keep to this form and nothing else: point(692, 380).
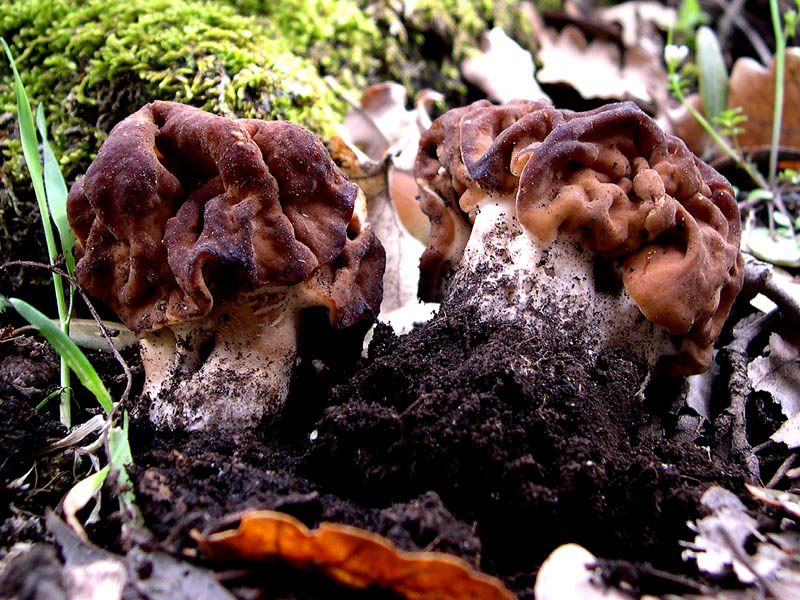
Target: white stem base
point(227, 371)
point(511, 277)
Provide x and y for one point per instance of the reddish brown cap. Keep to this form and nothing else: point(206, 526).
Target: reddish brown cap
point(180, 201)
point(636, 194)
point(611, 176)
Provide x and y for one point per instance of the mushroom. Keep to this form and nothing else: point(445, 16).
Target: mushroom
point(209, 236)
point(596, 225)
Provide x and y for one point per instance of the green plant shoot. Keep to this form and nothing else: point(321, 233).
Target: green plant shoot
point(118, 446)
point(54, 184)
point(67, 349)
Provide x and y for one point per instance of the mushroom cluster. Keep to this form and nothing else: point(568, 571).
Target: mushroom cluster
point(208, 236)
point(596, 224)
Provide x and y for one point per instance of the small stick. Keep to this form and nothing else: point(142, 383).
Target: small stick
point(759, 279)
point(782, 470)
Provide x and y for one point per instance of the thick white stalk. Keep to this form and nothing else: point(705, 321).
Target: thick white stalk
point(557, 289)
point(228, 370)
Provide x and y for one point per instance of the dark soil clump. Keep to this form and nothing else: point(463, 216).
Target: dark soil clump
point(460, 437)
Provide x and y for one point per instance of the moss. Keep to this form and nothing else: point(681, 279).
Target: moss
point(94, 64)
point(337, 35)
point(91, 63)
point(416, 42)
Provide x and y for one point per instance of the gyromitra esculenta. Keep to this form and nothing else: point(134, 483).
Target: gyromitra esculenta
point(208, 236)
point(587, 221)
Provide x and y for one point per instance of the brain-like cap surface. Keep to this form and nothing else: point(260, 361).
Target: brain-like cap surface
point(612, 177)
point(177, 196)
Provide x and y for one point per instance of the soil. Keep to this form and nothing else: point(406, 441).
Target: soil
point(462, 437)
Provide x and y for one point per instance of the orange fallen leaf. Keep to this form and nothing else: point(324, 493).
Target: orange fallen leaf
point(752, 86)
point(352, 556)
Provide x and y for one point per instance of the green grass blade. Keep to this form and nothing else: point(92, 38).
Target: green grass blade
point(30, 150)
point(121, 456)
point(76, 359)
point(56, 191)
point(27, 131)
point(712, 76)
point(46, 400)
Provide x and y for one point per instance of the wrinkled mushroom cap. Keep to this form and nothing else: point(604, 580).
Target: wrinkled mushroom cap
point(610, 176)
point(467, 151)
point(179, 204)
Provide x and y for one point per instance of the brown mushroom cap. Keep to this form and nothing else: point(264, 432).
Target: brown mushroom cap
point(177, 195)
point(610, 176)
point(466, 149)
point(636, 194)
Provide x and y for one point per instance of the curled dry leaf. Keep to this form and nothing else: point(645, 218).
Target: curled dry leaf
point(605, 71)
point(730, 540)
point(504, 71)
point(722, 535)
point(392, 219)
point(789, 432)
point(778, 374)
point(353, 557)
point(641, 22)
point(377, 149)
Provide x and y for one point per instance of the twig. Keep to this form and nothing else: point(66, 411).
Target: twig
point(759, 279)
point(735, 16)
point(734, 416)
point(782, 470)
point(726, 21)
point(764, 445)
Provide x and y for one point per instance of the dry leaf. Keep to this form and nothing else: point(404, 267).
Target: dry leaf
point(504, 71)
point(351, 556)
point(79, 496)
point(381, 126)
point(92, 572)
point(721, 536)
point(377, 150)
point(596, 69)
point(391, 221)
point(641, 22)
point(779, 373)
point(752, 86)
point(789, 432)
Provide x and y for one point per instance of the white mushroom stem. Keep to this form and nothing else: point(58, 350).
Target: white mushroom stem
point(510, 276)
point(232, 367)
